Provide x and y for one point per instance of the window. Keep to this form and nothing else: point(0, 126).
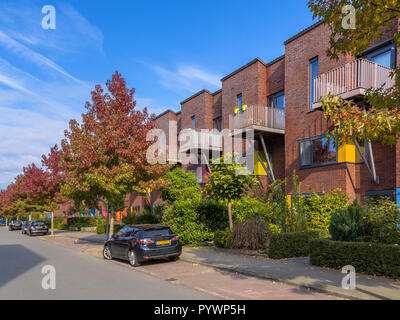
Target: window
point(313, 76)
point(240, 101)
point(218, 124)
point(385, 56)
point(277, 100)
point(376, 195)
point(317, 151)
point(193, 122)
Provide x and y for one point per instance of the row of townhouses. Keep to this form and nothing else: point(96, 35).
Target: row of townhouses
point(279, 100)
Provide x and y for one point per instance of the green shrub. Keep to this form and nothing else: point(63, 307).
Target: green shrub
point(213, 214)
point(250, 208)
point(319, 208)
point(369, 258)
point(251, 234)
point(223, 238)
point(383, 219)
point(184, 220)
point(145, 218)
point(274, 228)
point(348, 224)
point(181, 185)
point(101, 229)
point(293, 244)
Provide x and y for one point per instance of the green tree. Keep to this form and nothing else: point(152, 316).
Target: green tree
point(381, 120)
point(180, 185)
point(228, 181)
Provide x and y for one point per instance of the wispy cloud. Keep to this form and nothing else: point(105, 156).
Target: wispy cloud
point(38, 96)
point(186, 78)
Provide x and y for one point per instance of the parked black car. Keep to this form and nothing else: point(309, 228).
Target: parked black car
point(25, 227)
point(3, 223)
point(142, 243)
point(37, 227)
point(15, 225)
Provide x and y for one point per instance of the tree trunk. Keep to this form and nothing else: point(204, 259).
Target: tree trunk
point(52, 223)
point(112, 224)
point(230, 215)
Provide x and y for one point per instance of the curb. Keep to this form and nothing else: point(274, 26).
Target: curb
point(264, 277)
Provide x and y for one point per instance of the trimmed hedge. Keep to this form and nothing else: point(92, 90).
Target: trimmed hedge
point(293, 244)
point(369, 258)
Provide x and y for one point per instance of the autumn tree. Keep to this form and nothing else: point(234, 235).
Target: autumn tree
point(42, 186)
point(228, 181)
point(105, 154)
point(380, 121)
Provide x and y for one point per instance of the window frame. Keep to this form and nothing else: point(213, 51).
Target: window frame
point(312, 139)
point(215, 121)
point(380, 49)
point(193, 122)
point(311, 80)
point(240, 105)
point(273, 97)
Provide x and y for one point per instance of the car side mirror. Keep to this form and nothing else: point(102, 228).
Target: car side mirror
point(114, 236)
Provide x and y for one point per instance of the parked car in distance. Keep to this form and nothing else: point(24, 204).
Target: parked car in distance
point(3, 223)
point(15, 225)
point(25, 227)
point(141, 243)
point(37, 227)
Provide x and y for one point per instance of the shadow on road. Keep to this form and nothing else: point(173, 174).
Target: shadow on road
point(15, 260)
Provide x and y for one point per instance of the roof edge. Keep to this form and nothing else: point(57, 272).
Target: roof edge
point(298, 35)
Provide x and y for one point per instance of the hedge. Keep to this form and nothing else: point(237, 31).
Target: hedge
point(369, 258)
point(293, 244)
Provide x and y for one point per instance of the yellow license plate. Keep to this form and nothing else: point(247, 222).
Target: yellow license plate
point(39, 228)
point(160, 243)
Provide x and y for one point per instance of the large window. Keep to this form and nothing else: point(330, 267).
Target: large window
point(317, 151)
point(313, 76)
point(277, 100)
point(385, 56)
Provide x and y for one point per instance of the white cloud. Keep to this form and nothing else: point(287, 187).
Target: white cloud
point(187, 78)
point(38, 96)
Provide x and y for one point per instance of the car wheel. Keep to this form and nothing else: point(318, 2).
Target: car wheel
point(133, 261)
point(175, 258)
point(107, 253)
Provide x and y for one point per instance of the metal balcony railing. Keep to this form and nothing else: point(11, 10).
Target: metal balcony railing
point(260, 116)
point(352, 79)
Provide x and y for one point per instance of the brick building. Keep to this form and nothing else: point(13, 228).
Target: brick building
point(259, 95)
point(279, 100)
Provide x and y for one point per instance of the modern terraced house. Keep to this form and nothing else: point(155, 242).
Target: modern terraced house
point(280, 101)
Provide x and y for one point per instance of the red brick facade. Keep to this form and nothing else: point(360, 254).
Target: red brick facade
point(258, 80)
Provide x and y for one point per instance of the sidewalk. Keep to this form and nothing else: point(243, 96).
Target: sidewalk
point(296, 272)
point(79, 235)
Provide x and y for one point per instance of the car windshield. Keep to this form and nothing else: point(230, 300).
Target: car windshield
point(18, 222)
point(156, 232)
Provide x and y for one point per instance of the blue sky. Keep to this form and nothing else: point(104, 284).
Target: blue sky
point(167, 50)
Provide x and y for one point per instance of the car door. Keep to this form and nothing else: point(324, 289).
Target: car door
point(119, 245)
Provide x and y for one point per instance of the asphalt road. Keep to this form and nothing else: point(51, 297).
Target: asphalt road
point(78, 276)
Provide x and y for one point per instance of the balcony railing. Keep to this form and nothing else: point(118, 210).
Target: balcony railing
point(351, 80)
point(260, 116)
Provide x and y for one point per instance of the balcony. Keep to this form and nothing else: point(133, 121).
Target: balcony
point(261, 118)
point(198, 140)
point(351, 80)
